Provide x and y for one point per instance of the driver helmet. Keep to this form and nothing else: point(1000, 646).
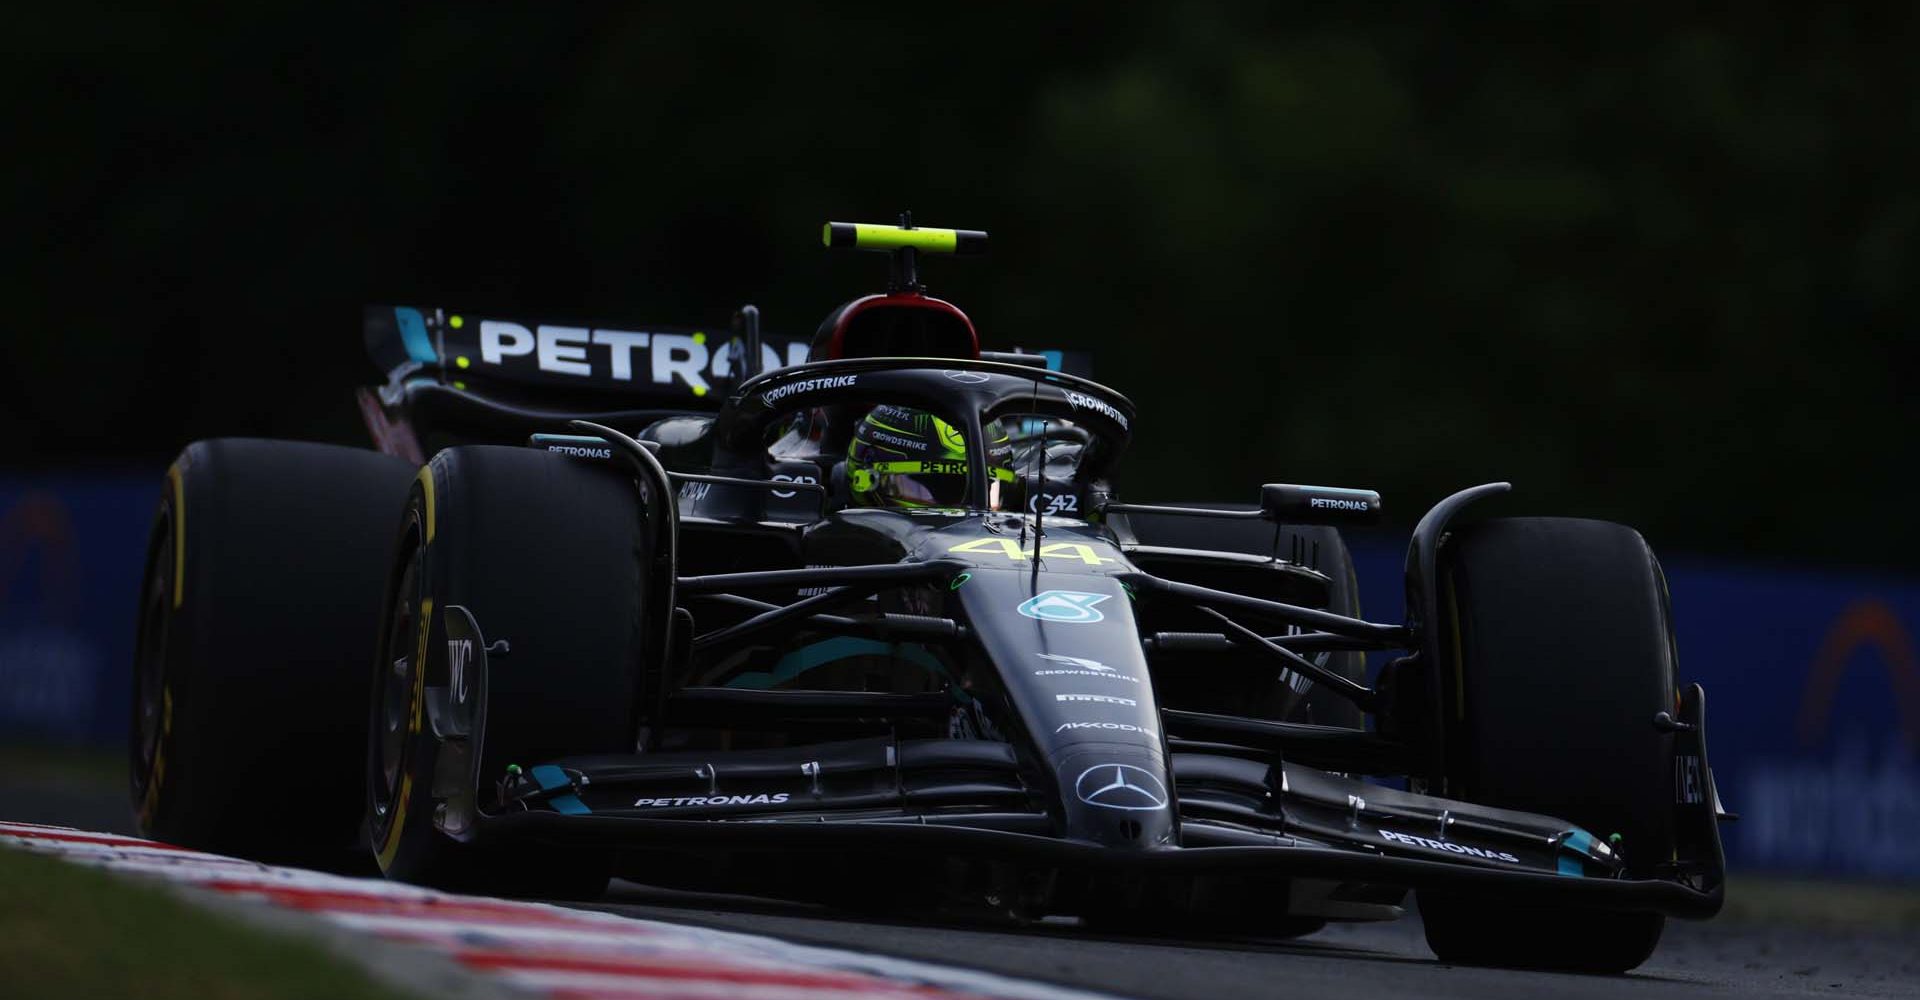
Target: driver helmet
point(902, 457)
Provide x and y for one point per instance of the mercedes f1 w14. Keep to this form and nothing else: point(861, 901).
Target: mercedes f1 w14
point(861, 620)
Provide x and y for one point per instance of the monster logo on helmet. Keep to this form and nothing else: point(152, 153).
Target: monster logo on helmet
point(903, 457)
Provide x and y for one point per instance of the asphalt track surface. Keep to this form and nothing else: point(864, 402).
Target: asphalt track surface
point(1721, 958)
point(1717, 958)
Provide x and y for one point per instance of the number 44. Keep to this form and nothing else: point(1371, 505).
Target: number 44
point(1053, 550)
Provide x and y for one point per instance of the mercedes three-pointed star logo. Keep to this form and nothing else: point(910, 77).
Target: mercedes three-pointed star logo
point(1121, 786)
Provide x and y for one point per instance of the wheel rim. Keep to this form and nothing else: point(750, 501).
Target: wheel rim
point(393, 705)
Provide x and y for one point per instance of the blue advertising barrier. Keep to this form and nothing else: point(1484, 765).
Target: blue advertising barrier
point(71, 551)
point(1813, 686)
point(1815, 712)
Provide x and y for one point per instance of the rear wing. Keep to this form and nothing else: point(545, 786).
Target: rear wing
point(656, 366)
point(636, 366)
point(457, 377)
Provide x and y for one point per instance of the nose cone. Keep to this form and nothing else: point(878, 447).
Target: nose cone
point(1067, 649)
point(1117, 795)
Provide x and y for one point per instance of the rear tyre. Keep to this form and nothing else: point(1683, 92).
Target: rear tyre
point(546, 553)
point(261, 598)
point(1562, 654)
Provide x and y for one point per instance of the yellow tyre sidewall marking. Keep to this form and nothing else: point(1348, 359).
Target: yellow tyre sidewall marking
point(177, 482)
point(425, 479)
point(416, 699)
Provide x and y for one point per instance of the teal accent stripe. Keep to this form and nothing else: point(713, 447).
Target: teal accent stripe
point(827, 651)
point(1055, 359)
point(413, 333)
point(1579, 842)
point(579, 439)
point(551, 779)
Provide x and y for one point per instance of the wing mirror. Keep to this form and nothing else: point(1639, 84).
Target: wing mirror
point(1289, 504)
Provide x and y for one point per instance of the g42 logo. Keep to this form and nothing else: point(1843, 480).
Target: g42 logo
point(1056, 503)
point(1054, 550)
point(782, 477)
point(459, 658)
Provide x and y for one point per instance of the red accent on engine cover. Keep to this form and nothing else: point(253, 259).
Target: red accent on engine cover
point(905, 324)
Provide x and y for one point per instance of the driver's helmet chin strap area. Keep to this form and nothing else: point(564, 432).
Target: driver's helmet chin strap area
point(906, 458)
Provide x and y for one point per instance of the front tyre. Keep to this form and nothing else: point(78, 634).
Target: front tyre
point(546, 553)
point(1563, 654)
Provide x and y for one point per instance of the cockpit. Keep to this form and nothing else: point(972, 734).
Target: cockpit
point(919, 434)
point(903, 457)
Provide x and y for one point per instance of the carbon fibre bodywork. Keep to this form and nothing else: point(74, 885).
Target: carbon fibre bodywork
point(977, 686)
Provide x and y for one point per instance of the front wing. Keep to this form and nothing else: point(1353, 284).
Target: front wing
point(972, 799)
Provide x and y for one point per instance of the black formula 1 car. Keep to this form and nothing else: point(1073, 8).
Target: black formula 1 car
point(860, 620)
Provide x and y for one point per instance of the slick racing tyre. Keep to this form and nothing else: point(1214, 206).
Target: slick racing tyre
point(1318, 547)
point(1562, 654)
point(260, 604)
point(546, 554)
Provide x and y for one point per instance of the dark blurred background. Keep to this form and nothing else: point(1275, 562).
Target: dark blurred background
point(1650, 264)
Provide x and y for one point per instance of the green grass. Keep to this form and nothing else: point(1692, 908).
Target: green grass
point(68, 931)
point(1821, 903)
point(89, 766)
